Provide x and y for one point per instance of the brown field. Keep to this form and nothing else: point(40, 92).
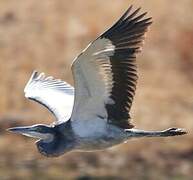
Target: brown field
point(47, 35)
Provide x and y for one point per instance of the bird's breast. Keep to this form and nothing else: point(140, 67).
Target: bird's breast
point(96, 134)
point(89, 128)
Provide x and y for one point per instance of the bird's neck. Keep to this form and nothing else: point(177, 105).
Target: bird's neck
point(62, 142)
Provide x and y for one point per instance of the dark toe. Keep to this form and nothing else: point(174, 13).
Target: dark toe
point(176, 131)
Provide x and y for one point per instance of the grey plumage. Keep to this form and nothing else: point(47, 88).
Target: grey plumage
point(94, 115)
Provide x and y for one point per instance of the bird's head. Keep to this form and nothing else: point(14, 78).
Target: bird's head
point(50, 141)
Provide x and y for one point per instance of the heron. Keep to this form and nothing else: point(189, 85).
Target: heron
point(95, 114)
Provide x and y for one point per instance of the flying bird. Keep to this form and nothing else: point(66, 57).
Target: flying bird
point(94, 114)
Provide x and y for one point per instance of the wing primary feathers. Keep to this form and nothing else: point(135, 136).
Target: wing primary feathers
point(125, 14)
point(127, 35)
point(129, 21)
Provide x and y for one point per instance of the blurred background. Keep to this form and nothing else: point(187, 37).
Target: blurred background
point(47, 35)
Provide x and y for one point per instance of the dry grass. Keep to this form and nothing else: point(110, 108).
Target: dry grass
point(47, 35)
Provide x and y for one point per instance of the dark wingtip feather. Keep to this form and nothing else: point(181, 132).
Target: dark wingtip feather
point(128, 20)
point(126, 13)
point(134, 13)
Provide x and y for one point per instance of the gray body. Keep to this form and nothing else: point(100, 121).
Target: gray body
point(66, 140)
point(95, 114)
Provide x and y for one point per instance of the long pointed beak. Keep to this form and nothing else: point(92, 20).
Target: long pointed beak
point(26, 131)
point(20, 130)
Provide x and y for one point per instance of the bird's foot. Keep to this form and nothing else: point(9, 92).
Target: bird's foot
point(174, 132)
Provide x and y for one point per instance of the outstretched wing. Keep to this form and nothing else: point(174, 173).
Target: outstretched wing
point(105, 72)
point(56, 95)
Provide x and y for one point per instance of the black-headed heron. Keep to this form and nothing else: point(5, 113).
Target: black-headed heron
point(95, 114)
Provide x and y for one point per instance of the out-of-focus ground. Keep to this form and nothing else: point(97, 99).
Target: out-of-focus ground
point(47, 35)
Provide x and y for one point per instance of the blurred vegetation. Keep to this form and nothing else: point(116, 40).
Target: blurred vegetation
point(47, 35)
